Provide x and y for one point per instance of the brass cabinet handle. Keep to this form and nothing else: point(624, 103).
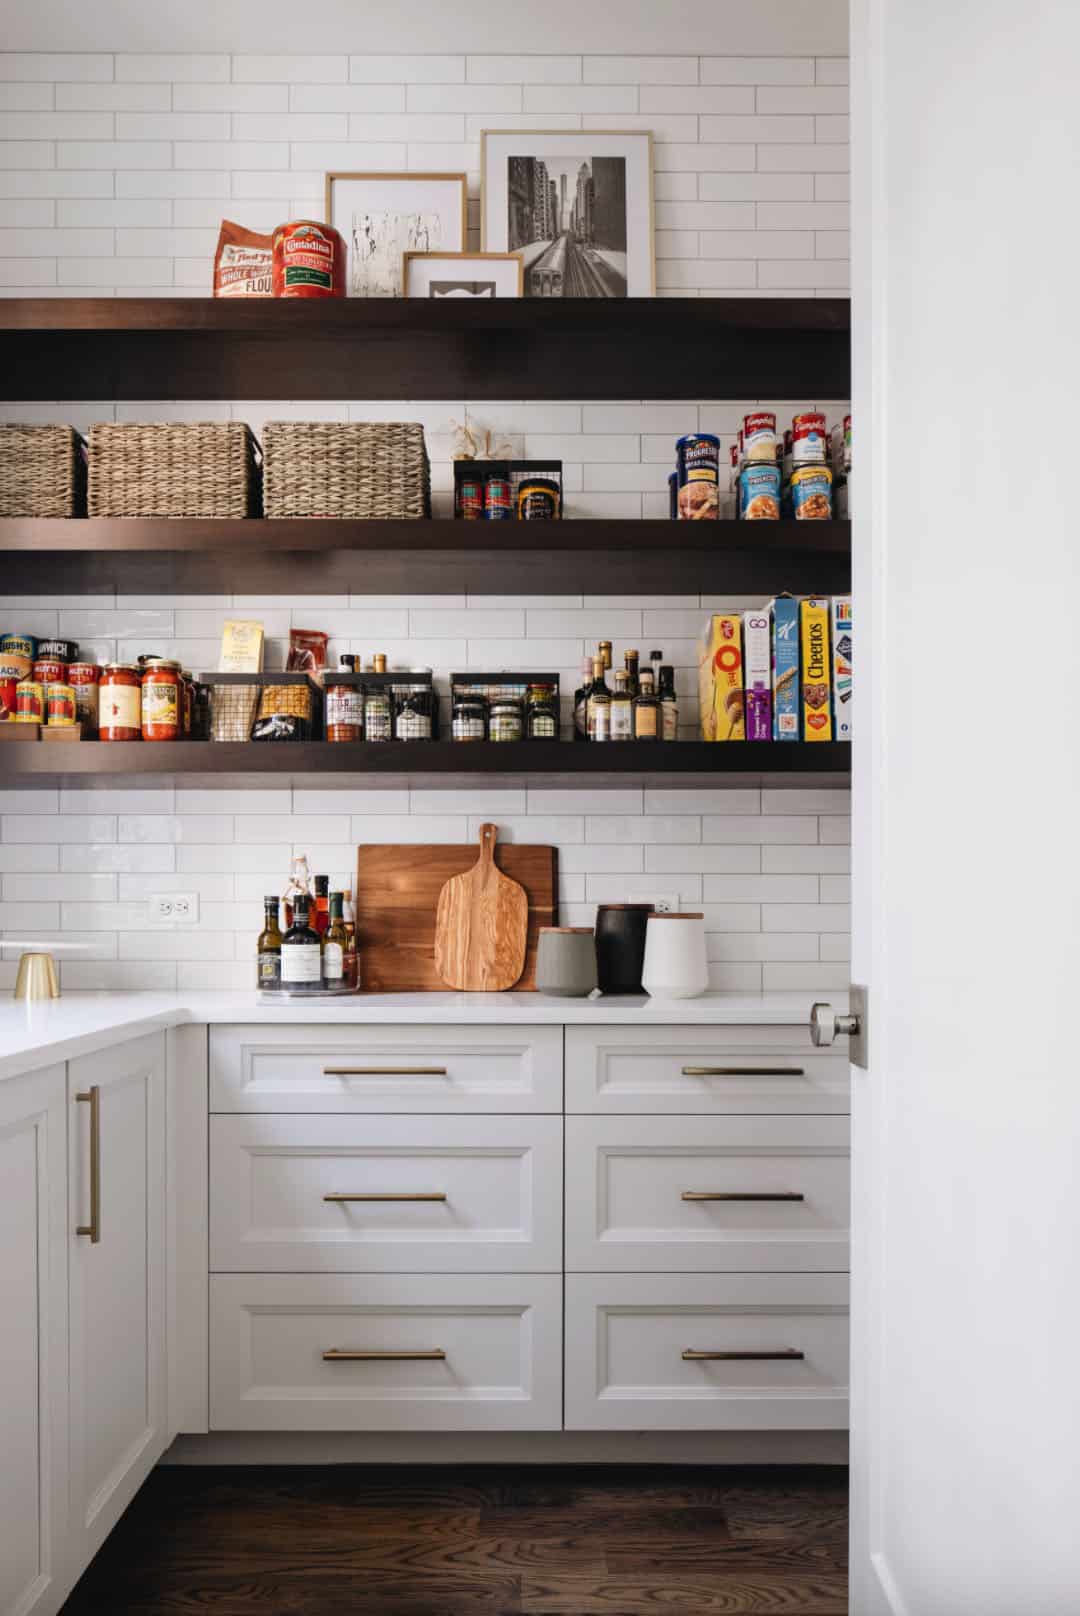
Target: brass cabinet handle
point(92, 1098)
point(354, 1355)
point(421, 1195)
point(741, 1195)
point(384, 1071)
point(743, 1071)
point(787, 1353)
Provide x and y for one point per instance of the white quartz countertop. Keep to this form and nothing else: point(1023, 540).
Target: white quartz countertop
point(36, 1034)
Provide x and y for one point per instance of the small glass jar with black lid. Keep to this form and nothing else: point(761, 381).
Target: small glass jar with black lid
point(469, 718)
point(506, 722)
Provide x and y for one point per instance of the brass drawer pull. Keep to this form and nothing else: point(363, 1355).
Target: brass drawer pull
point(741, 1195)
point(743, 1071)
point(384, 1071)
point(787, 1353)
point(421, 1195)
point(354, 1355)
point(92, 1098)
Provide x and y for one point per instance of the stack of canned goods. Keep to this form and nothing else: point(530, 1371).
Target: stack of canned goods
point(802, 473)
point(45, 682)
point(36, 684)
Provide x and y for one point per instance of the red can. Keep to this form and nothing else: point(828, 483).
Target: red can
point(471, 499)
point(49, 671)
point(29, 702)
point(8, 688)
point(309, 260)
point(83, 678)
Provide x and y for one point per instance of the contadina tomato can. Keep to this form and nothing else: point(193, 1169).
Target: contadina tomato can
point(308, 261)
point(29, 703)
point(60, 706)
point(162, 698)
point(120, 702)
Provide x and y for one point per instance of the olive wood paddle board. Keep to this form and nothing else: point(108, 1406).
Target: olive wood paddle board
point(481, 925)
point(397, 895)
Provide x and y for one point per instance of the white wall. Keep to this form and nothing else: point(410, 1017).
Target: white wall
point(114, 172)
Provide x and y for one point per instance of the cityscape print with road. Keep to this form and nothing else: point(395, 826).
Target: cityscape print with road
point(567, 217)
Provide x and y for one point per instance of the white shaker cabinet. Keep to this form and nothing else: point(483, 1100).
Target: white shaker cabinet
point(33, 1343)
point(117, 1204)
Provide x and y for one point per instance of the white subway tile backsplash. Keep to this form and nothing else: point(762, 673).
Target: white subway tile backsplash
point(127, 976)
point(802, 978)
point(125, 193)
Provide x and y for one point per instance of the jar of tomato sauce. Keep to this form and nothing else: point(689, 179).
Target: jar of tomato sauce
point(119, 702)
point(162, 700)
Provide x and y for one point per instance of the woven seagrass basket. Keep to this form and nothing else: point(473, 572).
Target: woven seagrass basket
point(355, 469)
point(197, 468)
point(42, 471)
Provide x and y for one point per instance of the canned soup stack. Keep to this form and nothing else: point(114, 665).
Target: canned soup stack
point(802, 474)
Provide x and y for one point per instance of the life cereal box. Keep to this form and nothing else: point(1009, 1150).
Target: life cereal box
point(842, 649)
point(816, 670)
point(785, 668)
point(757, 676)
point(720, 678)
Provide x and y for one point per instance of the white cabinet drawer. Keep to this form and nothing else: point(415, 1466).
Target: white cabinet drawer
point(442, 1195)
point(447, 1352)
point(772, 1352)
point(707, 1194)
point(702, 1069)
point(420, 1069)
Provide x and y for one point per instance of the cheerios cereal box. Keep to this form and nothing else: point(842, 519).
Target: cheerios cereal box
point(816, 670)
point(720, 678)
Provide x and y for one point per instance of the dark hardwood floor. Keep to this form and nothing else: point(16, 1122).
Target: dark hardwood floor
point(499, 1540)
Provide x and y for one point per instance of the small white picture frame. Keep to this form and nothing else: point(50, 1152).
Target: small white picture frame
point(464, 276)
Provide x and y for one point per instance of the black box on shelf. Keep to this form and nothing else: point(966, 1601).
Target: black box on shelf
point(541, 480)
point(414, 700)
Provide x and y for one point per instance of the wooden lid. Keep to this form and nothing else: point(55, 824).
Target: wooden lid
point(602, 906)
point(675, 914)
point(568, 931)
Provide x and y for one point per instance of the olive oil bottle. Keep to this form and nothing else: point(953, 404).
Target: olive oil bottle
point(268, 948)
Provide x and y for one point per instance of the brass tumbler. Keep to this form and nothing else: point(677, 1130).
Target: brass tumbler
point(37, 977)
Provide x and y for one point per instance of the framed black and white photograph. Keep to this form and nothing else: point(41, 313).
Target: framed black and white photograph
point(577, 205)
point(384, 216)
point(464, 275)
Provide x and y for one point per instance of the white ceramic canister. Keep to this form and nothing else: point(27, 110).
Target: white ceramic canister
point(675, 965)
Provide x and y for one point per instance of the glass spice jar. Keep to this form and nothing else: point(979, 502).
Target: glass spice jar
point(505, 723)
point(120, 702)
point(541, 714)
point(162, 700)
point(413, 708)
point(469, 719)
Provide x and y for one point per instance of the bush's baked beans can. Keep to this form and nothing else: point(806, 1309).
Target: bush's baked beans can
point(759, 492)
point(60, 706)
point(808, 439)
point(811, 493)
point(17, 652)
point(308, 260)
point(83, 678)
point(29, 703)
point(698, 470)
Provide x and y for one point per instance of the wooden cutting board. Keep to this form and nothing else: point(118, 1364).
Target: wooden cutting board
point(396, 896)
point(480, 925)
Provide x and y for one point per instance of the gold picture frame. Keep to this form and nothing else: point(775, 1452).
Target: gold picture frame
point(463, 258)
point(412, 177)
point(644, 272)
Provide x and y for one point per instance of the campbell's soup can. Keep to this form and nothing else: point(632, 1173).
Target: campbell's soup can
point(808, 439)
point(60, 706)
point(83, 678)
point(308, 260)
point(759, 436)
point(29, 703)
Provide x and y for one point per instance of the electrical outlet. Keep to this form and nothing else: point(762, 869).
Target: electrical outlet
point(168, 906)
point(665, 903)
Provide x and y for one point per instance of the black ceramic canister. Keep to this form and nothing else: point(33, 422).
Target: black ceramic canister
point(620, 946)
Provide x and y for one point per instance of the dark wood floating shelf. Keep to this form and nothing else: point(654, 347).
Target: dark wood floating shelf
point(429, 762)
point(265, 556)
point(202, 348)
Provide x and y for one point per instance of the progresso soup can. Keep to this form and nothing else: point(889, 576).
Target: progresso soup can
point(811, 493)
point(698, 471)
point(759, 491)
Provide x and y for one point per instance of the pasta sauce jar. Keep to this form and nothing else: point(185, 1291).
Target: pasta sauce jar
point(309, 260)
point(119, 702)
point(161, 705)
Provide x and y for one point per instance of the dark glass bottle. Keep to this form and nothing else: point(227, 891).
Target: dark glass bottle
point(598, 705)
point(301, 951)
point(268, 948)
point(669, 706)
point(335, 944)
point(581, 696)
point(646, 710)
point(320, 919)
point(632, 659)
